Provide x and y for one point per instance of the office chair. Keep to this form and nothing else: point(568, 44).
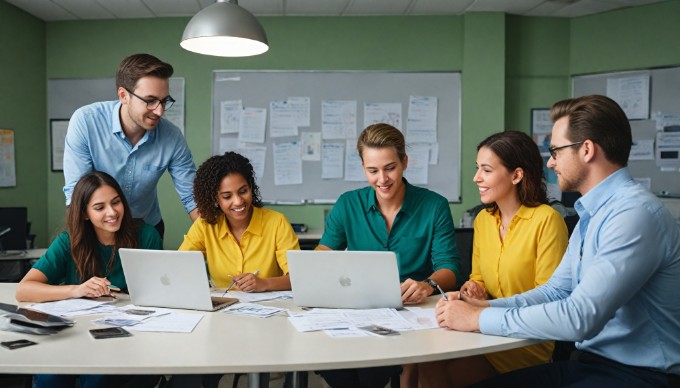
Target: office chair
point(464, 238)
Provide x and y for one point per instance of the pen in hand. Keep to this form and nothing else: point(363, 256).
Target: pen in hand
point(233, 282)
point(446, 298)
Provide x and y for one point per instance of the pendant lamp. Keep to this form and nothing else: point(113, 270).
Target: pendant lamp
point(224, 29)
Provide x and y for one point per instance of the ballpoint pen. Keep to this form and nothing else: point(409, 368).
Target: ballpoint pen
point(233, 281)
point(446, 298)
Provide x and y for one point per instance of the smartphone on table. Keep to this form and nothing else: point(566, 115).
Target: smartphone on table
point(109, 332)
point(11, 345)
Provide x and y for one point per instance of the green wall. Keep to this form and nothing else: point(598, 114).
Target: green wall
point(340, 44)
point(537, 67)
point(509, 65)
point(22, 108)
point(628, 39)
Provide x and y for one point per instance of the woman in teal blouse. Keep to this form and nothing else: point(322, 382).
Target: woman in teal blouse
point(83, 261)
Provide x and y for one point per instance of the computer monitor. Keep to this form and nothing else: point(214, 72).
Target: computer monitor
point(16, 219)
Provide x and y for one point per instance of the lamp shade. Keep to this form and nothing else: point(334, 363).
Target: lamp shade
point(225, 29)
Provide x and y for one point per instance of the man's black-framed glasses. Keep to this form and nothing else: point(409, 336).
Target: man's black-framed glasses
point(153, 103)
point(553, 150)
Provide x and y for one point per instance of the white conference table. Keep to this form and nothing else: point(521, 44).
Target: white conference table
point(226, 343)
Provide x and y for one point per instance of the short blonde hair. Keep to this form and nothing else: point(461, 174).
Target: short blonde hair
point(382, 135)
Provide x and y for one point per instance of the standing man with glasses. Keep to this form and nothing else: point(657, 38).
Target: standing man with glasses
point(615, 291)
point(130, 140)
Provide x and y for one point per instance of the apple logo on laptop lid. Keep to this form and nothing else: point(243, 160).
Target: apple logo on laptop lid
point(345, 281)
point(165, 280)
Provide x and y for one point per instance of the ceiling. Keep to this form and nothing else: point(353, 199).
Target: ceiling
point(59, 10)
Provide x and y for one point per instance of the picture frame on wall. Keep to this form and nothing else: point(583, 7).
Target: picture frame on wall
point(58, 128)
point(541, 129)
point(541, 132)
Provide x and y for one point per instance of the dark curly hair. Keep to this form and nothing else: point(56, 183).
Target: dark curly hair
point(209, 177)
point(518, 150)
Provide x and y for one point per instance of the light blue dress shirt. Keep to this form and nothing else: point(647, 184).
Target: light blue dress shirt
point(615, 293)
point(95, 141)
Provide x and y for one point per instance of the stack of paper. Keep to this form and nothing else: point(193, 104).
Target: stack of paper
point(254, 310)
point(246, 297)
point(131, 315)
point(344, 322)
point(73, 307)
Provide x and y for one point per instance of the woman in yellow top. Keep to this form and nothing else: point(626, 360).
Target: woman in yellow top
point(518, 242)
point(241, 241)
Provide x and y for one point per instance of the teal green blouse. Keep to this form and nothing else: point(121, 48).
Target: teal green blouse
point(58, 265)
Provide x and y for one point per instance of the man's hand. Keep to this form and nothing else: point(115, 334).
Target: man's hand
point(457, 314)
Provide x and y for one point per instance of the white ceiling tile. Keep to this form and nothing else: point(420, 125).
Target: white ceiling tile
point(546, 8)
point(56, 10)
point(126, 9)
point(84, 9)
point(43, 10)
point(171, 8)
point(263, 7)
point(583, 8)
point(377, 7)
point(440, 7)
point(316, 7)
point(517, 7)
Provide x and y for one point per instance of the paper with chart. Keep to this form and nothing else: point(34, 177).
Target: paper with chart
point(230, 116)
point(252, 125)
point(332, 160)
point(383, 112)
point(328, 319)
point(287, 163)
point(283, 120)
point(422, 120)
point(632, 94)
point(354, 169)
point(338, 119)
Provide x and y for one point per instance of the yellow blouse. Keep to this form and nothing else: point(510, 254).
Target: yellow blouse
point(533, 247)
point(263, 246)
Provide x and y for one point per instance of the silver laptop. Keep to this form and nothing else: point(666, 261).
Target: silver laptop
point(344, 279)
point(173, 279)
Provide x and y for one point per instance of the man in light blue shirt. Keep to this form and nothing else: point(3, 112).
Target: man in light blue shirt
point(615, 292)
point(130, 140)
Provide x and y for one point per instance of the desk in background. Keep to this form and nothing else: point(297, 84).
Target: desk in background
point(310, 239)
point(15, 264)
point(263, 344)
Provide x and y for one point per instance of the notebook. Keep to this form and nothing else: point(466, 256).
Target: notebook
point(344, 279)
point(173, 279)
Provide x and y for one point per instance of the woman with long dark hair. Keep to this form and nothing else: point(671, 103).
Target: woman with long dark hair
point(83, 261)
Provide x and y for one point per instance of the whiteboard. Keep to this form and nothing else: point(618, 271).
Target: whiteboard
point(65, 95)
point(256, 89)
point(664, 86)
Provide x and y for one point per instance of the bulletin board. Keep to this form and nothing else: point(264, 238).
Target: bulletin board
point(663, 111)
point(257, 89)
